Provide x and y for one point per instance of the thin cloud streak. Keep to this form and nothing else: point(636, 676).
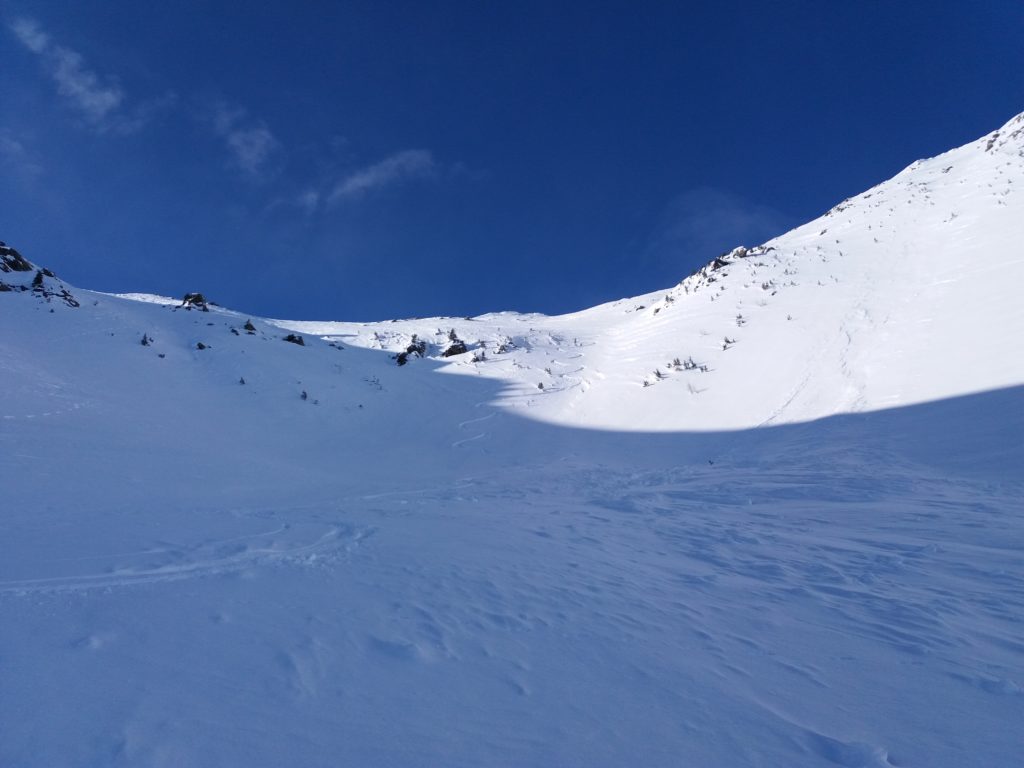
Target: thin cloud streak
point(252, 147)
point(16, 157)
point(408, 164)
point(250, 143)
point(30, 35)
point(82, 88)
point(705, 222)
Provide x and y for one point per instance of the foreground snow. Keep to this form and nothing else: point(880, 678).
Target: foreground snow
point(807, 554)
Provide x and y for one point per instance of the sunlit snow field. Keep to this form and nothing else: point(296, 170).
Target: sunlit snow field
point(804, 549)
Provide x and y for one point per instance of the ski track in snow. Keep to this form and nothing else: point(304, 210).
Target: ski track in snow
point(302, 544)
point(481, 435)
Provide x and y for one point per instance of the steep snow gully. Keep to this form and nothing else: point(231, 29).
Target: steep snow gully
point(771, 516)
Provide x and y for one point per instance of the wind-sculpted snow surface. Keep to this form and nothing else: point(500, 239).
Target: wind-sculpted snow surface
point(771, 516)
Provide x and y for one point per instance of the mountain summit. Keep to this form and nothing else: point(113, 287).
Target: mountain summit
point(770, 515)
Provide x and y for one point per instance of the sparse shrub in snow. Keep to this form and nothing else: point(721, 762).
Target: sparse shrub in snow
point(249, 327)
point(146, 341)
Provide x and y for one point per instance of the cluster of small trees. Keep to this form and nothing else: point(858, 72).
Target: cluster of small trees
point(417, 347)
point(456, 346)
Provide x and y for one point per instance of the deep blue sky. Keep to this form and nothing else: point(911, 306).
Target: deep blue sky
point(365, 160)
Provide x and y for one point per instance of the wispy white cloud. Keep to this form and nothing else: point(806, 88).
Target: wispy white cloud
point(308, 201)
point(250, 143)
point(705, 222)
point(17, 158)
point(333, 188)
point(99, 100)
point(83, 87)
point(31, 36)
point(408, 164)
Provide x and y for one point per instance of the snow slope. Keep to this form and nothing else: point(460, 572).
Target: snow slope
point(799, 546)
point(893, 297)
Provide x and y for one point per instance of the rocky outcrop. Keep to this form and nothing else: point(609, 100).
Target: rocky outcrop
point(44, 284)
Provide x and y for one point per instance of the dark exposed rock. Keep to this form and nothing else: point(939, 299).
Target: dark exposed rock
point(295, 339)
point(418, 347)
point(40, 288)
point(12, 261)
point(457, 347)
point(196, 300)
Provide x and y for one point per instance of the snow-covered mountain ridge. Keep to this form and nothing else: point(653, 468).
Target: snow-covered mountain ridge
point(772, 515)
point(881, 302)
